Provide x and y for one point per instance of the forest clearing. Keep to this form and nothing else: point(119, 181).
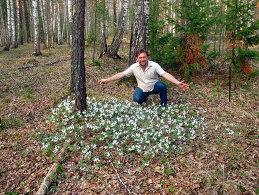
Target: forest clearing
point(65, 129)
point(225, 160)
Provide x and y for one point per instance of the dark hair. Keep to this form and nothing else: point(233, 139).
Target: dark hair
point(141, 51)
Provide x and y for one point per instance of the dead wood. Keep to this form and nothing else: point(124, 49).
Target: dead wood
point(42, 64)
point(47, 180)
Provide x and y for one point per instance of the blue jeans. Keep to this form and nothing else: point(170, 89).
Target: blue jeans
point(159, 88)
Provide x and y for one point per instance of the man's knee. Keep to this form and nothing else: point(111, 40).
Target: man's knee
point(161, 85)
point(138, 99)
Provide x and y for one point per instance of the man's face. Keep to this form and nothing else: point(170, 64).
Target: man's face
point(142, 59)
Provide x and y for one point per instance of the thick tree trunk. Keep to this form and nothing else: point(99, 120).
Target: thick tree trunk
point(104, 47)
point(77, 64)
point(35, 15)
point(139, 29)
point(120, 30)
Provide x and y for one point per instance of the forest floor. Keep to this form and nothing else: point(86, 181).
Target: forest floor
point(225, 161)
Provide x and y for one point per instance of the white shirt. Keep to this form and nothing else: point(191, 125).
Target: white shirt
point(145, 79)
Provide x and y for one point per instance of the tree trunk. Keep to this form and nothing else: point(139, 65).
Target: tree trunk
point(25, 15)
point(70, 20)
point(14, 36)
point(9, 26)
point(52, 23)
point(139, 29)
point(35, 15)
point(60, 38)
point(2, 28)
point(114, 14)
point(77, 64)
point(257, 12)
point(104, 48)
point(95, 25)
point(120, 30)
point(19, 22)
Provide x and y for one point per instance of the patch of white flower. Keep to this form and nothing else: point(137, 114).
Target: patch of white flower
point(125, 127)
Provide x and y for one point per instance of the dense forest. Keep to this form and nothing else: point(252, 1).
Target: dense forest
point(61, 132)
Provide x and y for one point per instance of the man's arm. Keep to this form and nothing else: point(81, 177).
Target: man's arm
point(112, 78)
point(172, 79)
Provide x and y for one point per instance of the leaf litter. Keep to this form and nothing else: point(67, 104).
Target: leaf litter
point(224, 162)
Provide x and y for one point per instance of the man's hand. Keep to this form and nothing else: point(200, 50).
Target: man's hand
point(183, 85)
point(103, 81)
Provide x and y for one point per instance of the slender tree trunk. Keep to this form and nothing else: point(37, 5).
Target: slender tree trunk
point(69, 34)
point(120, 30)
point(257, 13)
point(18, 22)
point(26, 21)
point(77, 64)
point(35, 15)
point(114, 13)
point(52, 23)
point(139, 30)
point(60, 38)
point(2, 28)
point(88, 18)
point(9, 26)
point(95, 25)
point(14, 36)
point(104, 47)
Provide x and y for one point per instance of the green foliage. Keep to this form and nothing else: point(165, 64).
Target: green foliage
point(189, 69)
point(196, 17)
point(239, 18)
point(162, 47)
point(10, 122)
point(244, 54)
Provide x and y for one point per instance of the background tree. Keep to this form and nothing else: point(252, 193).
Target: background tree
point(139, 29)
point(77, 64)
point(103, 41)
point(35, 14)
point(116, 42)
point(9, 26)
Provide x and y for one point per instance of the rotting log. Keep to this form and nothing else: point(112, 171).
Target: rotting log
point(47, 180)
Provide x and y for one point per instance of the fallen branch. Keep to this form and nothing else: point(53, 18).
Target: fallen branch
point(47, 180)
point(42, 64)
point(120, 178)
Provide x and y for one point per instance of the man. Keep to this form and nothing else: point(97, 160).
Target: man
point(146, 73)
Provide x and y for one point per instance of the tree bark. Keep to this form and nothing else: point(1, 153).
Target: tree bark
point(26, 16)
point(9, 26)
point(35, 14)
point(139, 29)
point(60, 38)
point(70, 20)
point(104, 48)
point(14, 36)
point(77, 64)
point(19, 22)
point(2, 28)
point(114, 14)
point(120, 30)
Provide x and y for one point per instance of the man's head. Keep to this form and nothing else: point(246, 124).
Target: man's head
point(142, 57)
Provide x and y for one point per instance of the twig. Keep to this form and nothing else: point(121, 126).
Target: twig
point(120, 178)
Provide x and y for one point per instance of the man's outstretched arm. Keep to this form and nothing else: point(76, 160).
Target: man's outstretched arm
point(112, 78)
point(172, 79)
